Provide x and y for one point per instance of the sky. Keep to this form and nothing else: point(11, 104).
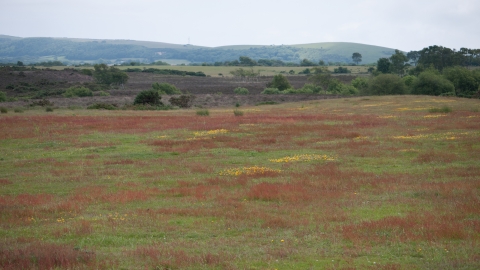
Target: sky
point(405, 25)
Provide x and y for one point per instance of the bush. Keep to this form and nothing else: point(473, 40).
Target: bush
point(203, 112)
point(429, 83)
point(297, 91)
point(49, 109)
point(266, 103)
point(3, 97)
point(237, 113)
point(101, 94)
point(102, 106)
point(166, 89)
point(150, 97)
point(466, 82)
point(43, 103)
point(311, 88)
point(18, 110)
point(280, 82)
point(241, 91)
point(360, 83)
point(3, 110)
point(86, 71)
point(270, 91)
point(76, 91)
point(341, 70)
point(183, 101)
point(386, 84)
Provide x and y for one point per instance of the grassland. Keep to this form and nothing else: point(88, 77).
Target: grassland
point(219, 71)
point(366, 183)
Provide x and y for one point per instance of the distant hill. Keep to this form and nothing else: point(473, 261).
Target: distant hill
point(75, 50)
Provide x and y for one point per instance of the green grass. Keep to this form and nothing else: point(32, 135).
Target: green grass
point(147, 189)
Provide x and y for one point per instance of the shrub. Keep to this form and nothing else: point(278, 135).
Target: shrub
point(386, 84)
point(241, 91)
point(183, 101)
point(3, 110)
point(266, 103)
point(150, 97)
point(43, 103)
point(49, 109)
point(429, 83)
point(3, 96)
point(102, 106)
point(466, 82)
point(101, 94)
point(10, 86)
point(238, 113)
point(18, 110)
point(303, 90)
point(76, 91)
point(341, 70)
point(166, 89)
point(270, 91)
point(203, 112)
point(360, 83)
point(86, 71)
point(280, 82)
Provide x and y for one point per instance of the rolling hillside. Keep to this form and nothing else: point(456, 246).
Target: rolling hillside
point(75, 50)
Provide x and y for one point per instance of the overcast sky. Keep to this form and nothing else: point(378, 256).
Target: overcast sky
point(405, 25)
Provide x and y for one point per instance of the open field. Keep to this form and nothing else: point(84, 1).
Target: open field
point(365, 183)
point(214, 71)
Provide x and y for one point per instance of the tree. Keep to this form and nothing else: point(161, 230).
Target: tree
point(398, 62)
point(247, 61)
point(20, 63)
point(307, 63)
point(150, 97)
point(357, 58)
point(105, 75)
point(413, 56)
point(466, 82)
point(383, 65)
point(280, 82)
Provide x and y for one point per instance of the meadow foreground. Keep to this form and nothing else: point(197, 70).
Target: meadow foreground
point(368, 182)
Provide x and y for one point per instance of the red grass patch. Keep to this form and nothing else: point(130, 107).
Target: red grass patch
point(5, 182)
point(40, 255)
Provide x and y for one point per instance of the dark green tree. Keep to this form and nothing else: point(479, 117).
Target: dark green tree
point(150, 97)
point(466, 81)
point(280, 82)
point(398, 62)
point(109, 75)
point(247, 61)
point(383, 65)
point(307, 63)
point(356, 57)
point(413, 56)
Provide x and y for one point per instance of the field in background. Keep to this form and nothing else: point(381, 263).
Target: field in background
point(214, 71)
point(369, 182)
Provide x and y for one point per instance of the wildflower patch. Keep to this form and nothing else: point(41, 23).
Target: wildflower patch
point(255, 170)
point(302, 158)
